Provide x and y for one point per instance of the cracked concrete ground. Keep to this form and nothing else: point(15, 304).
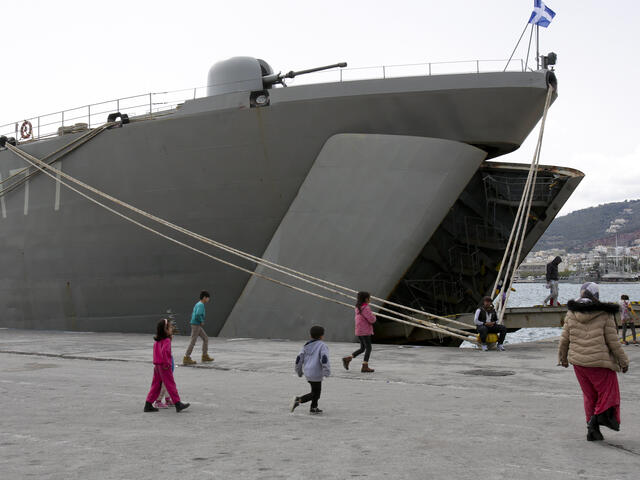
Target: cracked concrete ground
point(73, 410)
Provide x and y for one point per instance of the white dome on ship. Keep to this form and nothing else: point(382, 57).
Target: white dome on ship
point(237, 74)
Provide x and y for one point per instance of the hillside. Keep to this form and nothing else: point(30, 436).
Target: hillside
point(583, 229)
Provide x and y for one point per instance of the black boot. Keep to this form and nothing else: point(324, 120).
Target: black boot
point(181, 406)
point(593, 430)
point(148, 407)
point(608, 419)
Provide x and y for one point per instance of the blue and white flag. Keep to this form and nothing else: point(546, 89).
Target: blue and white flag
point(541, 15)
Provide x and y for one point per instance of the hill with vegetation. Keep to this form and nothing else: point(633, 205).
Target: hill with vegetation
point(583, 229)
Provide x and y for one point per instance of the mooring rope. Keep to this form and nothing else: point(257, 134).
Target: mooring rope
point(74, 143)
point(519, 229)
point(442, 329)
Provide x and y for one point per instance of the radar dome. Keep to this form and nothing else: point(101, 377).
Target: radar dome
point(237, 74)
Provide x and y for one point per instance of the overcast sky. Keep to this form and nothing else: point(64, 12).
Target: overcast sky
point(63, 54)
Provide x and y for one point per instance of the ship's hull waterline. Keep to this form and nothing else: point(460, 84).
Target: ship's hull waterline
point(232, 173)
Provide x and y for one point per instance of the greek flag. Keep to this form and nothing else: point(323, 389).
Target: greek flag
point(541, 15)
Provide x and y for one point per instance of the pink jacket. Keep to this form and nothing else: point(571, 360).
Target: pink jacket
point(364, 321)
point(162, 352)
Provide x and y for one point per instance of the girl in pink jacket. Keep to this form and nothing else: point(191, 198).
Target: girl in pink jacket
point(162, 374)
point(364, 329)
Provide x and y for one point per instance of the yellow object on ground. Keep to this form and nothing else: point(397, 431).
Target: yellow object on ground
point(491, 338)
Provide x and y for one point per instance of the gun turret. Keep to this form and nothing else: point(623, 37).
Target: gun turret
point(270, 80)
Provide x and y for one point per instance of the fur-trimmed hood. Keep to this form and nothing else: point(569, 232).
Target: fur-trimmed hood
point(590, 336)
point(589, 307)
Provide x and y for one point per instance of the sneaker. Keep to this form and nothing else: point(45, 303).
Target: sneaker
point(187, 361)
point(149, 408)
point(158, 404)
point(484, 347)
point(181, 406)
point(295, 403)
point(500, 347)
point(169, 402)
point(346, 361)
point(315, 411)
point(206, 358)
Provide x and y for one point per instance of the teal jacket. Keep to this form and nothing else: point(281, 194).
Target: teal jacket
point(197, 317)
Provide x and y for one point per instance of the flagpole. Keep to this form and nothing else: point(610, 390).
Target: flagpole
point(537, 47)
point(526, 62)
point(514, 48)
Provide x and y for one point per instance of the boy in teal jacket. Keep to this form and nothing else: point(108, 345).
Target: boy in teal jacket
point(197, 330)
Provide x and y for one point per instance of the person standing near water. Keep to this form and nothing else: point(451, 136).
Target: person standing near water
point(627, 317)
point(364, 330)
point(553, 278)
point(197, 330)
point(590, 343)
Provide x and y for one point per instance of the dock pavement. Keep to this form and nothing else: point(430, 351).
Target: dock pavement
point(73, 410)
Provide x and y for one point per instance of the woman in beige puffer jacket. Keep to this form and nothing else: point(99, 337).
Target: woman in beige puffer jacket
point(590, 343)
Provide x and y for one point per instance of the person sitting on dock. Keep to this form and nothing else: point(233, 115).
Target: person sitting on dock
point(486, 320)
point(552, 278)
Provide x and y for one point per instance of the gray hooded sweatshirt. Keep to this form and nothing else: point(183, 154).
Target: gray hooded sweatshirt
point(313, 361)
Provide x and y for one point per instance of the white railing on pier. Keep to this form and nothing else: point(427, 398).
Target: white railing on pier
point(155, 103)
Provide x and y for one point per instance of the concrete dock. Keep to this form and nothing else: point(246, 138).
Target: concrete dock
point(73, 410)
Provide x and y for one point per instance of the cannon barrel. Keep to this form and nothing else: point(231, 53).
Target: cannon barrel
point(272, 79)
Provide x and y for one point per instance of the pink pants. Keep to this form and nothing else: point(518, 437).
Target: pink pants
point(163, 375)
point(599, 389)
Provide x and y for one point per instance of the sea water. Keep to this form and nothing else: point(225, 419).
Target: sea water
point(530, 294)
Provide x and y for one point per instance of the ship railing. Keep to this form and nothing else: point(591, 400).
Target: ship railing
point(507, 190)
point(159, 103)
point(478, 231)
point(465, 260)
point(409, 70)
point(434, 294)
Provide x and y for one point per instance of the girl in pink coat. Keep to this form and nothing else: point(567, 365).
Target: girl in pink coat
point(162, 374)
point(364, 329)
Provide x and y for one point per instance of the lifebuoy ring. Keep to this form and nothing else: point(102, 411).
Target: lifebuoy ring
point(26, 129)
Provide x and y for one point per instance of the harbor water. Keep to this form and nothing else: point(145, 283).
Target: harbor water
point(530, 294)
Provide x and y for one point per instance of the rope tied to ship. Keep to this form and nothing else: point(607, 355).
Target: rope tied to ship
point(518, 234)
point(396, 316)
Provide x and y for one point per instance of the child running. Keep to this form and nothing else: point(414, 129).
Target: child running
point(627, 316)
point(364, 329)
point(313, 362)
point(162, 374)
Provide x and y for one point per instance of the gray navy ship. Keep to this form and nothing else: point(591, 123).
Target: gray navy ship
point(386, 185)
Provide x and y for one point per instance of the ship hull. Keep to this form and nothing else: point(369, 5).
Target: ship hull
point(224, 170)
